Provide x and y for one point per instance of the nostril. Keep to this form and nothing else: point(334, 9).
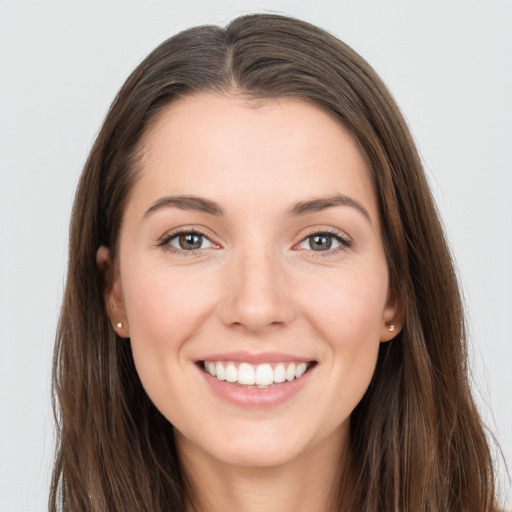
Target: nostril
point(255, 300)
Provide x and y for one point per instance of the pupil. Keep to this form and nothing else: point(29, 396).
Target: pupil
point(190, 241)
point(321, 242)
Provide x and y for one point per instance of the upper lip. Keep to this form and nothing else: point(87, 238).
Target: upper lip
point(255, 357)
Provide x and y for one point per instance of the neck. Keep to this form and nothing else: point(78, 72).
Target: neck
point(309, 482)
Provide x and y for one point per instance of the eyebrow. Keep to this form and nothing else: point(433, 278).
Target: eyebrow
point(200, 204)
point(322, 203)
point(194, 203)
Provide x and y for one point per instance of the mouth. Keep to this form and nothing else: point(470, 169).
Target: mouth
point(256, 376)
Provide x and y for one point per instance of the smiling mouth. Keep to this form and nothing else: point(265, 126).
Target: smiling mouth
point(256, 375)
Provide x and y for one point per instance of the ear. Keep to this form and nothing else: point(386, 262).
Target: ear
point(392, 317)
point(113, 293)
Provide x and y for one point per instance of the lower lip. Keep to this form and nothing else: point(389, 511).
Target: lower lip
point(256, 397)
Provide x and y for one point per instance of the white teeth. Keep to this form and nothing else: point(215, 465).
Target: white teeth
point(290, 372)
point(231, 373)
point(264, 375)
point(246, 374)
point(301, 368)
point(279, 373)
point(261, 375)
point(221, 373)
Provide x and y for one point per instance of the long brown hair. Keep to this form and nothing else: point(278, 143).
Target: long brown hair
point(417, 441)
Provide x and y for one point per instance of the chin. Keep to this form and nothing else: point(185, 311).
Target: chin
point(255, 444)
point(256, 458)
point(259, 454)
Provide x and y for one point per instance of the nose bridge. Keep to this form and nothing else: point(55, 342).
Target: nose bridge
point(255, 296)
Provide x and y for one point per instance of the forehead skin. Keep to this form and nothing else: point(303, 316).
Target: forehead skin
point(265, 134)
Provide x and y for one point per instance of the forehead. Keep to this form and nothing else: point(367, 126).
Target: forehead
point(232, 149)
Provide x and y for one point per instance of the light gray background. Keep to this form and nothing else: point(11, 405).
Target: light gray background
point(448, 63)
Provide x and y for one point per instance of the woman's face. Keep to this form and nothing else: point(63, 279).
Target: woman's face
point(250, 251)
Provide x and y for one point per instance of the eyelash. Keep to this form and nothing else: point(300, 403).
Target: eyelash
point(165, 242)
point(344, 241)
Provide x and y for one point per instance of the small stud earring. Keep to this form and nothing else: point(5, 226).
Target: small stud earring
point(119, 325)
point(391, 328)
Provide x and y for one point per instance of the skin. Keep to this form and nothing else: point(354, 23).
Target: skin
point(255, 285)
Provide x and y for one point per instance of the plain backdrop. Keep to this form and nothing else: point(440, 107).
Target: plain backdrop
point(448, 64)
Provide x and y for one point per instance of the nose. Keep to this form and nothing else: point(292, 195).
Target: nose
point(256, 296)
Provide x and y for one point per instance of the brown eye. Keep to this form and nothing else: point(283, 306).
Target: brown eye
point(189, 241)
point(319, 242)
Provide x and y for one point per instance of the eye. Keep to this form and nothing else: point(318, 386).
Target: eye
point(323, 242)
point(189, 241)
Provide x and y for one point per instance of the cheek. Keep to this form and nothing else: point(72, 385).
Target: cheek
point(165, 314)
point(348, 315)
point(161, 306)
point(349, 307)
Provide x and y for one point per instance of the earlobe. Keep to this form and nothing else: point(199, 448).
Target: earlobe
point(389, 331)
point(113, 296)
point(393, 318)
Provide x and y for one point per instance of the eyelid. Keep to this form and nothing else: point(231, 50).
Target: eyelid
point(175, 241)
point(163, 241)
point(344, 239)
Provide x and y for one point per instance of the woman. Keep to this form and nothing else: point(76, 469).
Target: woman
point(261, 310)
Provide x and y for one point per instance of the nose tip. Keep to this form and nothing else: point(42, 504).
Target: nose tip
point(256, 297)
point(256, 316)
